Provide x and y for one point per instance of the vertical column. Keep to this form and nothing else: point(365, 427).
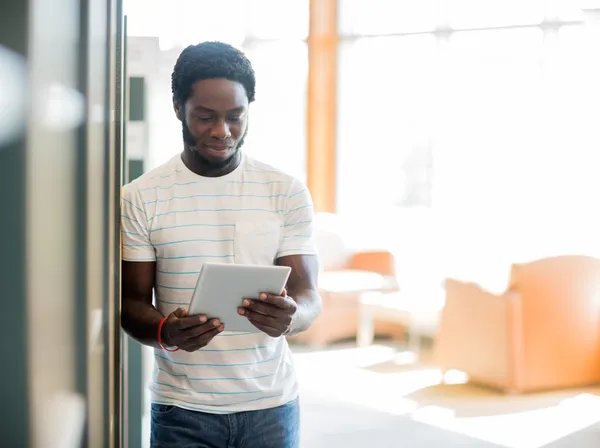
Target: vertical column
point(135, 144)
point(14, 43)
point(94, 86)
point(113, 181)
point(57, 410)
point(322, 103)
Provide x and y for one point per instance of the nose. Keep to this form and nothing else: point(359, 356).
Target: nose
point(220, 130)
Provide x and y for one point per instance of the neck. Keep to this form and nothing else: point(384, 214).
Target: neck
point(200, 167)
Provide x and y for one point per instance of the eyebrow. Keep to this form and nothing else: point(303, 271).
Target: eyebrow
point(206, 109)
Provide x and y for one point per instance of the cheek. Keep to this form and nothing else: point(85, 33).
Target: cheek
point(237, 130)
point(198, 129)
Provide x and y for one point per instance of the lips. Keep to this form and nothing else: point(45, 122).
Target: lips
point(214, 147)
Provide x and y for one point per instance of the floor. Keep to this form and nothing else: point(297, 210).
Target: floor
point(376, 397)
point(379, 397)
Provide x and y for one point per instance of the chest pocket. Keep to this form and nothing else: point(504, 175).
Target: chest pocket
point(256, 242)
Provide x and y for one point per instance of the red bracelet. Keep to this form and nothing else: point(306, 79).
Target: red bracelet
point(160, 325)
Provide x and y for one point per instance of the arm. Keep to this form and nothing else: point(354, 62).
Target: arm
point(139, 318)
point(302, 288)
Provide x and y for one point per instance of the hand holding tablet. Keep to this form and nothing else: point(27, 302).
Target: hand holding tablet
point(189, 333)
point(221, 290)
point(272, 314)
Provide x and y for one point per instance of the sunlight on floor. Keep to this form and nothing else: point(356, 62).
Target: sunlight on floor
point(380, 378)
point(528, 429)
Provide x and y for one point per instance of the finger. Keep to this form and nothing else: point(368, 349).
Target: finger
point(283, 302)
point(271, 331)
point(265, 308)
point(205, 338)
point(280, 324)
point(192, 321)
point(197, 343)
point(194, 332)
point(179, 313)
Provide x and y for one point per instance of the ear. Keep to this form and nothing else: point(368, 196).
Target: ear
point(178, 110)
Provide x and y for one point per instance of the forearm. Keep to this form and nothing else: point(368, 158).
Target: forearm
point(140, 320)
point(309, 307)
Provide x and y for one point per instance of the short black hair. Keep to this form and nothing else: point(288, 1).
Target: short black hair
point(209, 60)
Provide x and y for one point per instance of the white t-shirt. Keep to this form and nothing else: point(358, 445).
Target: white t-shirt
point(253, 215)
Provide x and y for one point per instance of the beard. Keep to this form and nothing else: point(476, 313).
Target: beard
point(191, 142)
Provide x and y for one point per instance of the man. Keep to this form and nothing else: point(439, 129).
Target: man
point(214, 388)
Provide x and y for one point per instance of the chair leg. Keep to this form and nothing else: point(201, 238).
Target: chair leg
point(366, 328)
point(414, 341)
point(444, 373)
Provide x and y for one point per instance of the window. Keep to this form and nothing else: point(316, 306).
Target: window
point(381, 17)
point(485, 14)
point(387, 91)
point(487, 84)
point(276, 19)
point(490, 118)
point(277, 128)
point(470, 113)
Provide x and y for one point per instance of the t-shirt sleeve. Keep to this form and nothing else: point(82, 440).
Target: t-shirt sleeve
point(135, 236)
point(298, 233)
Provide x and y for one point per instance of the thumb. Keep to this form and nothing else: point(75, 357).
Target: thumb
point(180, 312)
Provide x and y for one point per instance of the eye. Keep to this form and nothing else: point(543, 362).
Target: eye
point(204, 118)
point(235, 119)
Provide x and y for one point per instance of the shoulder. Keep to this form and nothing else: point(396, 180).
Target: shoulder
point(258, 171)
point(156, 177)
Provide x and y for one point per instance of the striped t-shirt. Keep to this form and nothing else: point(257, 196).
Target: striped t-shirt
point(253, 215)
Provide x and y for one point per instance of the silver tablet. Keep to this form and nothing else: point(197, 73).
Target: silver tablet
point(221, 288)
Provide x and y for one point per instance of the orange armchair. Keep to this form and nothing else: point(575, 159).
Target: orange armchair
point(543, 332)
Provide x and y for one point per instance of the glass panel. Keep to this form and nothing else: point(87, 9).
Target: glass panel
point(492, 151)
point(571, 79)
point(565, 9)
point(142, 18)
point(277, 128)
point(193, 21)
point(277, 19)
point(491, 96)
point(188, 21)
point(376, 17)
point(575, 134)
point(384, 122)
point(484, 14)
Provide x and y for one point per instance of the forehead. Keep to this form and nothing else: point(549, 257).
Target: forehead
point(218, 94)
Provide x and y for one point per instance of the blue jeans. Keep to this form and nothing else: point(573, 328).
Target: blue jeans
point(268, 428)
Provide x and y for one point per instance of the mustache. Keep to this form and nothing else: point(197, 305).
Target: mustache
point(191, 141)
